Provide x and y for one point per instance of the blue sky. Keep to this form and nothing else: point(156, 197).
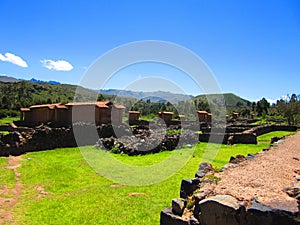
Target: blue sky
point(252, 47)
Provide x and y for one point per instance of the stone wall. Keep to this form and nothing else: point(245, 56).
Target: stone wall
point(44, 138)
point(242, 134)
point(260, 130)
point(23, 139)
point(197, 206)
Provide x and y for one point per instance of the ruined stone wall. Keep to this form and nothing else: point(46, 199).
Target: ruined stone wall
point(260, 130)
point(242, 136)
point(23, 140)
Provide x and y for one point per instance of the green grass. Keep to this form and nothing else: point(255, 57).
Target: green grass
point(8, 120)
point(7, 177)
point(78, 195)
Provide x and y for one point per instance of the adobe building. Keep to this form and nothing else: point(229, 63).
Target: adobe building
point(166, 116)
point(235, 115)
point(209, 118)
point(105, 112)
point(202, 116)
point(133, 117)
point(181, 117)
point(38, 113)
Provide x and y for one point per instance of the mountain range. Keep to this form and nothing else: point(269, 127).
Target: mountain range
point(56, 88)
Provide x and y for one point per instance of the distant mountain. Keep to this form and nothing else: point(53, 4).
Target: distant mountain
point(7, 79)
point(155, 96)
point(33, 80)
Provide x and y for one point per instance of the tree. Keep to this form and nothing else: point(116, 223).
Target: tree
point(290, 109)
point(100, 97)
point(262, 107)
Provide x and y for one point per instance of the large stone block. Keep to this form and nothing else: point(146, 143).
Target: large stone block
point(168, 218)
point(188, 187)
point(219, 209)
point(259, 214)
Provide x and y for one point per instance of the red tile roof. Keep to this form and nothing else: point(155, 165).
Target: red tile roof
point(100, 104)
point(24, 109)
point(202, 112)
point(50, 106)
point(119, 106)
point(61, 106)
point(134, 112)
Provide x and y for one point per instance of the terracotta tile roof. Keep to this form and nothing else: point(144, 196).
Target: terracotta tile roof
point(119, 106)
point(50, 106)
point(100, 104)
point(24, 109)
point(202, 112)
point(61, 106)
point(134, 112)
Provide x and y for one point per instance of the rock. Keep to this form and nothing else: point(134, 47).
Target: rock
point(203, 169)
point(219, 209)
point(168, 218)
point(194, 221)
point(178, 206)
point(250, 156)
point(240, 158)
point(237, 159)
point(275, 139)
point(232, 160)
point(292, 191)
point(199, 197)
point(200, 174)
point(259, 214)
point(188, 187)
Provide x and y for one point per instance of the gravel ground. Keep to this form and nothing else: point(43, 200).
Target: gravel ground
point(266, 176)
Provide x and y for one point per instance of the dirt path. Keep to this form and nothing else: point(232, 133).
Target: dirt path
point(9, 197)
point(266, 176)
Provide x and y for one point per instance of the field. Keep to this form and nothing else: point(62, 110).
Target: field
point(8, 120)
point(59, 187)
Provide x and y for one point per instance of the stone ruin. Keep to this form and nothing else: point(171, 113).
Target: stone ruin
point(133, 138)
point(200, 202)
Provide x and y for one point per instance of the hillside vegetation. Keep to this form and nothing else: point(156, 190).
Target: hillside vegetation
point(16, 95)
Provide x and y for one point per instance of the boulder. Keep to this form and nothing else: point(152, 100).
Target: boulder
point(168, 218)
point(188, 187)
point(260, 214)
point(203, 169)
point(178, 206)
point(219, 209)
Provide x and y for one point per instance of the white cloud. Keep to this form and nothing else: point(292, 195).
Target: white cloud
point(285, 97)
point(272, 101)
point(59, 65)
point(12, 58)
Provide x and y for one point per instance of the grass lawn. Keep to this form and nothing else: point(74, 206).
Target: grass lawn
point(76, 194)
point(8, 120)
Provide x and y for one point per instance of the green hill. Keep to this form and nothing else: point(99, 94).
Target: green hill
point(231, 100)
point(24, 93)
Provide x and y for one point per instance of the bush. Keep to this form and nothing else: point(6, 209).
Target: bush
point(8, 113)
